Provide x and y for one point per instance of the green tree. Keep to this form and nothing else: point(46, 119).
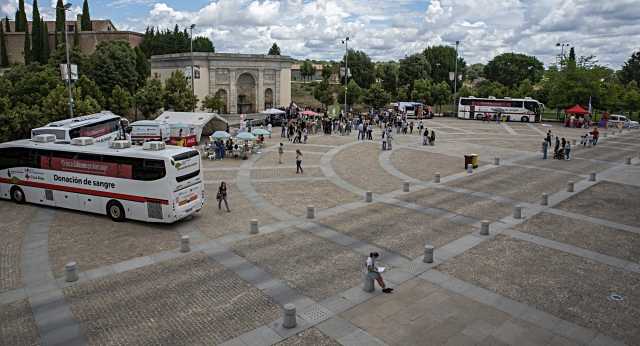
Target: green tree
point(362, 69)
point(377, 97)
point(354, 93)
point(212, 103)
point(422, 91)
point(120, 101)
point(44, 41)
point(510, 69)
point(27, 47)
point(7, 27)
point(178, 96)
point(490, 88)
point(441, 94)
point(572, 55)
point(327, 72)
point(442, 59)
point(89, 88)
point(85, 19)
point(323, 93)
point(113, 63)
point(21, 18)
point(4, 57)
point(60, 22)
point(474, 71)
point(203, 44)
point(36, 35)
point(631, 69)
point(150, 98)
point(59, 56)
point(388, 75)
point(524, 89)
point(274, 50)
point(142, 67)
point(307, 70)
point(412, 68)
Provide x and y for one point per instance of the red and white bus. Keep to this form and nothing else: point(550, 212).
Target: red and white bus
point(524, 110)
point(103, 127)
point(152, 183)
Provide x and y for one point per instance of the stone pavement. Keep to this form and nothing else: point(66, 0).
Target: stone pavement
point(546, 278)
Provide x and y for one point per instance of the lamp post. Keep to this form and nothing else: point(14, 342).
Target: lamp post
point(562, 45)
point(193, 76)
point(455, 79)
point(67, 7)
point(346, 72)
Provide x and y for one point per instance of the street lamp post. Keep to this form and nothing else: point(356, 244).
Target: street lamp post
point(193, 76)
point(562, 45)
point(455, 79)
point(346, 72)
point(67, 7)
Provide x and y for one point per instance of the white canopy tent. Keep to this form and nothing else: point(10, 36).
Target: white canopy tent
point(195, 121)
point(273, 111)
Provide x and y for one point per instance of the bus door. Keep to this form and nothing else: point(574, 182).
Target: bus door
point(472, 112)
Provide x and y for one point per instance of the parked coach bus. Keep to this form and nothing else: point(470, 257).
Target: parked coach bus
point(524, 110)
point(103, 127)
point(153, 182)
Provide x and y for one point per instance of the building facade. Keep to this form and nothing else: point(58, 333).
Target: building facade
point(246, 83)
point(103, 31)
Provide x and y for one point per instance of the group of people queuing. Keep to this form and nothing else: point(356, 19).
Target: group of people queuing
point(561, 149)
point(583, 122)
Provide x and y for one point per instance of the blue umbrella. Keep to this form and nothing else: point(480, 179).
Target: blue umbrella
point(260, 131)
point(220, 135)
point(245, 136)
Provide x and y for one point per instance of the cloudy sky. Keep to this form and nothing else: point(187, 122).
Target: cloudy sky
point(389, 29)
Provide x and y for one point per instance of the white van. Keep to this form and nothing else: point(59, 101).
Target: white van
point(621, 121)
point(149, 130)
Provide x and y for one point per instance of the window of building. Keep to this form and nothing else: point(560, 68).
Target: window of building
point(71, 28)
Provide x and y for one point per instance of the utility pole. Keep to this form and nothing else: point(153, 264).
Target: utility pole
point(193, 76)
point(455, 80)
point(346, 72)
point(67, 7)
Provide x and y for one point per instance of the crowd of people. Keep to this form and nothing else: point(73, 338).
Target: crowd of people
point(562, 146)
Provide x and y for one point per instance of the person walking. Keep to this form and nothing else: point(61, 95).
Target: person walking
point(299, 162)
point(556, 148)
point(545, 147)
point(373, 272)
point(269, 128)
point(222, 196)
point(425, 137)
point(432, 138)
point(567, 151)
point(280, 153)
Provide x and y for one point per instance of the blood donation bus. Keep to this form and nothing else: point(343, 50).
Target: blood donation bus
point(152, 183)
point(103, 127)
point(511, 109)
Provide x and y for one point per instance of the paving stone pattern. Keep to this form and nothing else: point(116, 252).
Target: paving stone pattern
point(12, 231)
point(569, 287)
point(311, 336)
point(423, 165)
point(17, 326)
point(187, 301)
point(368, 175)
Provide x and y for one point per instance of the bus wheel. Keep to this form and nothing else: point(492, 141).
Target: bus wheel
point(524, 119)
point(115, 211)
point(17, 195)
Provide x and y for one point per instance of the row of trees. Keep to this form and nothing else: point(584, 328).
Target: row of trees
point(114, 77)
point(156, 42)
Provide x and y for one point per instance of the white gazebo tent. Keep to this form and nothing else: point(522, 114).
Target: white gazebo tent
point(194, 120)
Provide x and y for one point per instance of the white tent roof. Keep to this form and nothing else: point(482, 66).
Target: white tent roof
point(188, 118)
point(273, 111)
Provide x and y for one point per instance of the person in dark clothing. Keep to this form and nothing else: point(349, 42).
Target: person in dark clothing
point(222, 196)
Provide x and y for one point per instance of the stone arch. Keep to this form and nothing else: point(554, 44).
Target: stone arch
point(268, 98)
point(224, 96)
point(246, 91)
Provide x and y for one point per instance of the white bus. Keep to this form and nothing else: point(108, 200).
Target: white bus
point(152, 183)
point(104, 127)
point(524, 110)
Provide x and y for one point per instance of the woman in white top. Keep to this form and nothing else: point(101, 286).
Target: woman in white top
point(299, 162)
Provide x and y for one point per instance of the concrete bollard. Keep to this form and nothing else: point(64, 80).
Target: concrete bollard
point(368, 284)
point(517, 212)
point(254, 226)
point(628, 161)
point(289, 316)
point(496, 161)
point(428, 254)
point(545, 199)
point(592, 176)
point(368, 196)
point(184, 244)
point(71, 272)
point(405, 186)
point(470, 169)
point(571, 186)
point(484, 227)
point(311, 212)
point(575, 142)
point(436, 178)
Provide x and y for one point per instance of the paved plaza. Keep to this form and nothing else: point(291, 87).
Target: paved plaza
point(565, 273)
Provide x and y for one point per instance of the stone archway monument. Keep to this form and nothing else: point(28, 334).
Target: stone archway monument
point(247, 83)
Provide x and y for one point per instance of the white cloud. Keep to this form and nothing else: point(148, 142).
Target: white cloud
point(392, 29)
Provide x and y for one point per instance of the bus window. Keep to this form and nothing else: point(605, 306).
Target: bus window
point(531, 106)
point(148, 170)
point(96, 130)
point(516, 104)
point(17, 157)
point(60, 134)
point(465, 102)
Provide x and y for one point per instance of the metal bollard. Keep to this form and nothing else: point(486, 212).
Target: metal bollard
point(517, 212)
point(405, 186)
point(368, 285)
point(484, 227)
point(368, 196)
point(254, 226)
point(592, 176)
point(289, 316)
point(571, 186)
point(496, 161)
point(436, 178)
point(184, 244)
point(311, 212)
point(628, 161)
point(71, 272)
point(428, 254)
point(545, 199)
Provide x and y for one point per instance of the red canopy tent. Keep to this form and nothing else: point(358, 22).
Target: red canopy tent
point(577, 110)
